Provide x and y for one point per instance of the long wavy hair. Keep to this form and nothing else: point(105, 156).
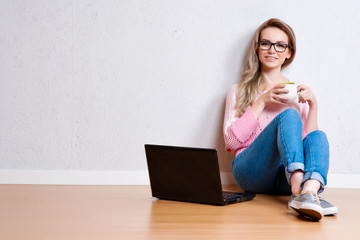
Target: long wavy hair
point(251, 78)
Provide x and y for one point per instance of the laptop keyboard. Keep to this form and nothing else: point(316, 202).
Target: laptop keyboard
point(230, 196)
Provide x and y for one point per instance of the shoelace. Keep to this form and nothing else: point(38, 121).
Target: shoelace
point(321, 198)
point(317, 198)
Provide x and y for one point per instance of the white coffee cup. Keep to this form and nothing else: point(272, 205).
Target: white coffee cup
point(292, 94)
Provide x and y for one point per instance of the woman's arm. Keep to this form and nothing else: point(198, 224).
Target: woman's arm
point(237, 130)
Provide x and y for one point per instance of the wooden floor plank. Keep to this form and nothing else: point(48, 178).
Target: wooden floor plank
point(129, 212)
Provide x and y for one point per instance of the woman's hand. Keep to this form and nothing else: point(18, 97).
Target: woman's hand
point(306, 95)
point(275, 95)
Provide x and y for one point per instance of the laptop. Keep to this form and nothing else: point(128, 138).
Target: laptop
point(188, 174)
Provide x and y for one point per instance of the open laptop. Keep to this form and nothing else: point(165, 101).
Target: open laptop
point(188, 174)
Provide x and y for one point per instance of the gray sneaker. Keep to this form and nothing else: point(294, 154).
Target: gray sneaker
point(307, 204)
point(329, 209)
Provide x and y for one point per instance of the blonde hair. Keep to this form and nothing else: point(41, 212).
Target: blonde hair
point(251, 78)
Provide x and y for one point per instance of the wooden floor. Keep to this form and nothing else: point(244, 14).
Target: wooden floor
point(129, 212)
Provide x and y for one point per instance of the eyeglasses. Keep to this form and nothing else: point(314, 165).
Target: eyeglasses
point(278, 46)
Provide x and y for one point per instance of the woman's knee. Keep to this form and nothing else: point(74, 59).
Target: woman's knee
point(318, 135)
point(291, 114)
point(318, 140)
point(291, 117)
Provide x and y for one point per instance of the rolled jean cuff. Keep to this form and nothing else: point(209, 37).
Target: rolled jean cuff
point(314, 176)
point(293, 167)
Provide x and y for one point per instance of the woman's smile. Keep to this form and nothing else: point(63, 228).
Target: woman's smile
point(270, 58)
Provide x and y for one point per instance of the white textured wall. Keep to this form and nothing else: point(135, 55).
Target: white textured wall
point(84, 84)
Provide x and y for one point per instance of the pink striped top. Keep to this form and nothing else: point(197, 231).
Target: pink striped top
point(240, 132)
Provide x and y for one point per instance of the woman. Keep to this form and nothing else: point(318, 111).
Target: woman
point(279, 148)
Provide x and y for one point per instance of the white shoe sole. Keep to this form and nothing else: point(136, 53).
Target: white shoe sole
point(307, 209)
point(330, 211)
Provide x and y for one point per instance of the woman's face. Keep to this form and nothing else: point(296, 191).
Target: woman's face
point(272, 59)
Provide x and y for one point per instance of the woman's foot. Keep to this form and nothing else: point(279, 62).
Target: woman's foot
point(328, 208)
point(307, 204)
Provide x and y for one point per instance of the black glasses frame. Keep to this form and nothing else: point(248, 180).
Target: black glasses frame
point(274, 44)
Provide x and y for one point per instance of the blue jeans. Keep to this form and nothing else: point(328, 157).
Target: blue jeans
point(266, 165)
